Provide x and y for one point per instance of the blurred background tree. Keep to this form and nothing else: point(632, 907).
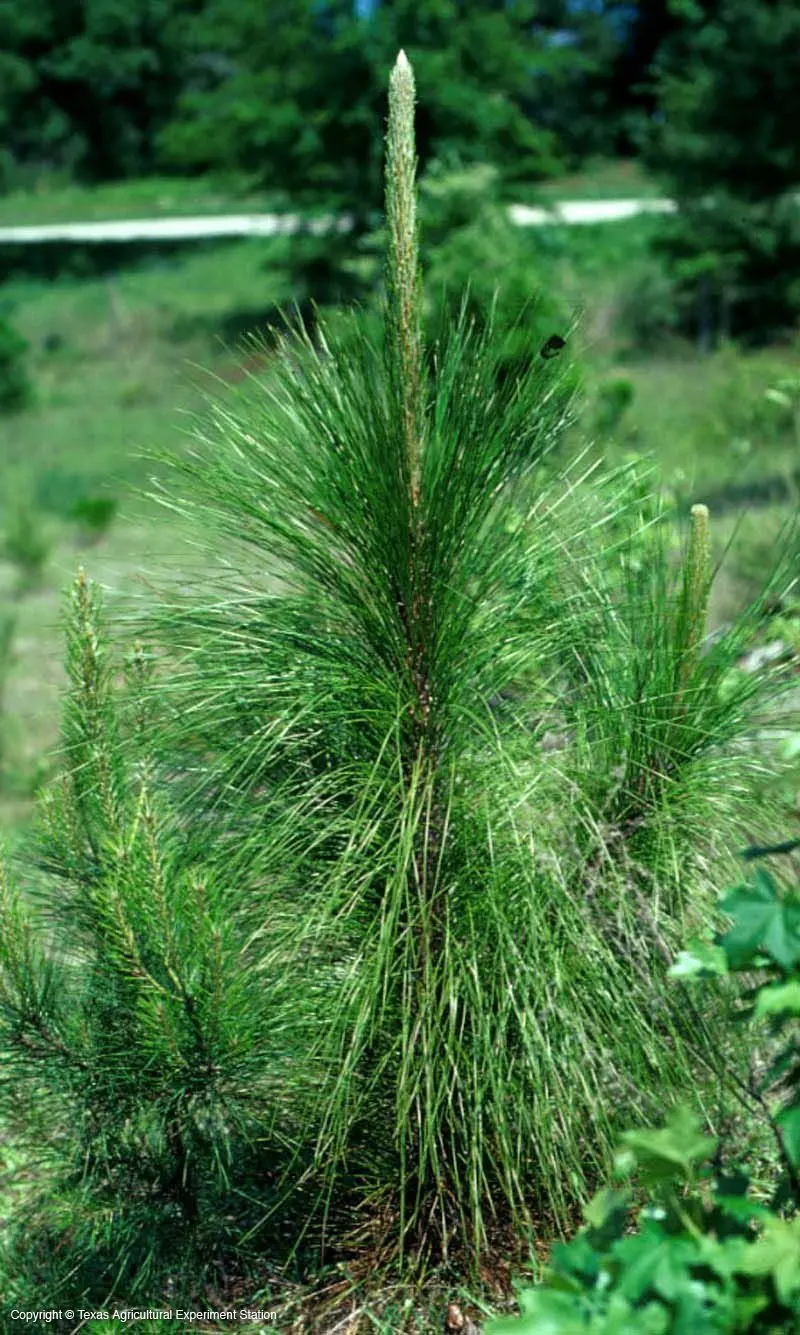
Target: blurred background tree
point(287, 98)
point(723, 139)
point(86, 85)
point(294, 95)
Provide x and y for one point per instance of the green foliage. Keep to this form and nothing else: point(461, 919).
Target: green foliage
point(742, 412)
point(648, 308)
point(728, 88)
point(296, 97)
point(613, 401)
point(25, 544)
point(293, 95)
point(655, 703)
point(139, 1068)
point(705, 1255)
point(15, 385)
point(725, 147)
point(94, 516)
point(88, 87)
point(733, 262)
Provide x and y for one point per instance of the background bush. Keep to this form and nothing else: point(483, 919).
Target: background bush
point(15, 386)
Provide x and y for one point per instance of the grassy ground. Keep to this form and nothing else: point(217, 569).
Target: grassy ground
point(622, 179)
point(115, 365)
point(53, 200)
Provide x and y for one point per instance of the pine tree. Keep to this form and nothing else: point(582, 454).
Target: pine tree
point(324, 946)
point(725, 147)
point(399, 566)
point(296, 95)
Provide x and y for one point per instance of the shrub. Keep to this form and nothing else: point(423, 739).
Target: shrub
point(648, 308)
point(26, 546)
point(614, 398)
point(94, 516)
point(15, 386)
point(727, 76)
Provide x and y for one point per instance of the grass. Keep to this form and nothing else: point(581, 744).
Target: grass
point(616, 179)
point(116, 366)
point(115, 363)
point(52, 200)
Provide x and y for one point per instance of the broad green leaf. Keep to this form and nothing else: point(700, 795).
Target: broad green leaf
point(542, 1312)
point(700, 961)
point(622, 1319)
point(602, 1206)
point(783, 997)
point(777, 1253)
point(655, 1261)
point(738, 1207)
point(747, 1309)
point(762, 921)
point(722, 1256)
point(679, 1145)
point(577, 1257)
point(789, 1122)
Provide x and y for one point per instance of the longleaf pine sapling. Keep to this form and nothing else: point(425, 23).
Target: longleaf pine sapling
point(479, 1028)
point(335, 948)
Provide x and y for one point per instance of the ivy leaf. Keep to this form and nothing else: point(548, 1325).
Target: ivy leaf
point(677, 1147)
point(777, 1253)
point(762, 922)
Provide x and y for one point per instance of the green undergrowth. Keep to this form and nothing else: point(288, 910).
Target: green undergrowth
point(708, 1252)
point(55, 200)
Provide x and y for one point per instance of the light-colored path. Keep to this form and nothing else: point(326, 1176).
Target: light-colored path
point(269, 224)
